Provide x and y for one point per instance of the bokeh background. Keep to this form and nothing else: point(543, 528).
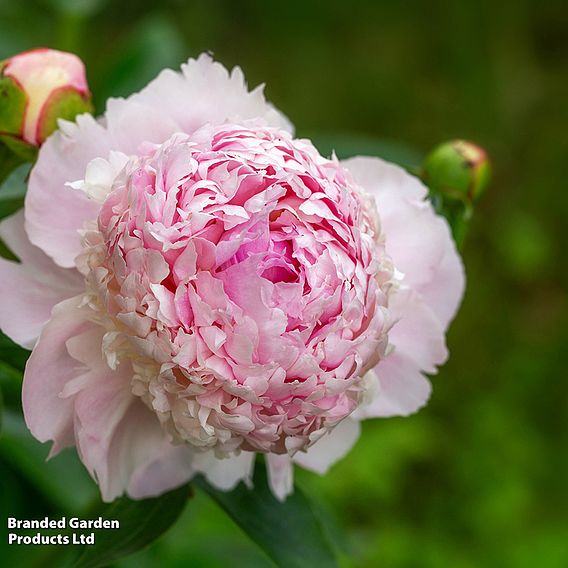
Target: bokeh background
point(479, 477)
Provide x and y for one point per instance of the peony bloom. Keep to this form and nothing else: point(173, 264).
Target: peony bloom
point(206, 287)
point(40, 86)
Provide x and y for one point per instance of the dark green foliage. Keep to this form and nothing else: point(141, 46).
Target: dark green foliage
point(289, 532)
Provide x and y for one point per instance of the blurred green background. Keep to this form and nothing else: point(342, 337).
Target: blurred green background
point(479, 477)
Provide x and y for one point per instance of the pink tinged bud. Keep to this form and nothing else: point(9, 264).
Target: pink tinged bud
point(36, 89)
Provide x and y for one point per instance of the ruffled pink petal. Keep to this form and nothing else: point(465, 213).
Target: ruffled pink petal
point(118, 438)
point(331, 447)
point(418, 241)
point(33, 285)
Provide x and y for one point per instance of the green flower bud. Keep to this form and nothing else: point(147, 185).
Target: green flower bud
point(457, 170)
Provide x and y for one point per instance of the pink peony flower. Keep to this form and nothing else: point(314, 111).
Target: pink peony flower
point(205, 286)
point(39, 87)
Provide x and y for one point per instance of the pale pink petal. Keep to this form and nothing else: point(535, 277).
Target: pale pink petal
point(402, 390)
point(280, 470)
point(169, 467)
point(130, 123)
point(225, 473)
point(54, 212)
point(140, 458)
point(103, 418)
point(48, 414)
point(206, 92)
point(331, 447)
point(418, 346)
point(417, 332)
point(115, 433)
point(33, 286)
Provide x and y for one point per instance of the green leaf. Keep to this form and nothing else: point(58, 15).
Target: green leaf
point(290, 532)
point(23, 152)
point(13, 189)
point(141, 522)
point(11, 385)
point(13, 354)
point(62, 480)
point(9, 161)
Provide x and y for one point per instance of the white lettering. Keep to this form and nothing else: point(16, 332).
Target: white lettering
point(98, 523)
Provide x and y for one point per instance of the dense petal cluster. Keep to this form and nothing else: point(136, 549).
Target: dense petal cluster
point(240, 273)
point(198, 285)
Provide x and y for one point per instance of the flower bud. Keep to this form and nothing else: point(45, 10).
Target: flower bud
point(457, 170)
point(36, 88)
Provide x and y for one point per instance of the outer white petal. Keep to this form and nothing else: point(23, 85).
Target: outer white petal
point(130, 123)
point(55, 212)
point(331, 447)
point(206, 92)
point(417, 333)
point(33, 285)
point(225, 473)
point(280, 470)
point(403, 389)
point(169, 467)
point(140, 458)
point(107, 440)
point(417, 340)
point(71, 396)
point(48, 414)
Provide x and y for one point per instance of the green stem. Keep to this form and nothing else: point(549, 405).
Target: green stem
point(457, 213)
